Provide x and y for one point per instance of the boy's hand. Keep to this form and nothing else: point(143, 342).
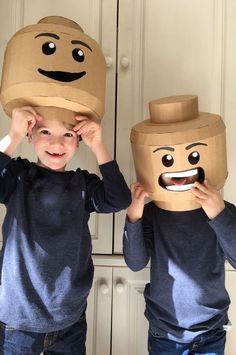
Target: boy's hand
point(23, 120)
point(209, 198)
point(90, 131)
point(135, 210)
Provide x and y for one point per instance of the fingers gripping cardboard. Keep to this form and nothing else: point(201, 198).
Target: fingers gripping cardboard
point(55, 64)
point(177, 146)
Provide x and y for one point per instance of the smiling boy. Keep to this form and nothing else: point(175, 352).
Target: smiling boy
point(46, 264)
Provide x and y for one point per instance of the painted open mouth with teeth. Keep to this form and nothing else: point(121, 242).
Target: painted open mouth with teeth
point(182, 180)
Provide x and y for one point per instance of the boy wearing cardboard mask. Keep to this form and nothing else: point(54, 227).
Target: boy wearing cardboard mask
point(46, 264)
point(186, 232)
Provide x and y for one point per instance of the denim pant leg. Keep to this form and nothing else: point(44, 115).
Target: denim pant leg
point(158, 345)
point(16, 342)
point(69, 341)
point(212, 343)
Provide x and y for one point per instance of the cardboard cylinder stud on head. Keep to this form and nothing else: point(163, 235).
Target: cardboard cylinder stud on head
point(54, 63)
point(59, 20)
point(173, 151)
point(174, 109)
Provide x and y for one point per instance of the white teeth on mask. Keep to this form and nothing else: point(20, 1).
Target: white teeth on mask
point(181, 174)
point(179, 187)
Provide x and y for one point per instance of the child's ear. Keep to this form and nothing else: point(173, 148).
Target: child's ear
point(79, 138)
point(29, 135)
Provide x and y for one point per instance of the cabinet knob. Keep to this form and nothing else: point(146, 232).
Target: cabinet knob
point(104, 289)
point(124, 62)
point(120, 287)
point(109, 62)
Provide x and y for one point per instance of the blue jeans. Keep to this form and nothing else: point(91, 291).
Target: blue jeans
point(211, 343)
point(68, 341)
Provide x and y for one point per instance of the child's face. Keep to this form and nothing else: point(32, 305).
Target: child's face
point(54, 142)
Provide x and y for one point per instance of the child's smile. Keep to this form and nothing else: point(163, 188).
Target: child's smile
point(55, 143)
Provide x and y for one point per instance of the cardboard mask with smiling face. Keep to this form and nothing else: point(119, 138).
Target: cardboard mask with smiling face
point(176, 147)
point(54, 64)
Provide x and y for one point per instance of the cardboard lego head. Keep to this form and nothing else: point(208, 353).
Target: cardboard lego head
point(54, 64)
point(176, 147)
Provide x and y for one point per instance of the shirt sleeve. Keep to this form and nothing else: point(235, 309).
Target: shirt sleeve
point(224, 226)
point(4, 160)
point(8, 177)
point(138, 243)
point(109, 194)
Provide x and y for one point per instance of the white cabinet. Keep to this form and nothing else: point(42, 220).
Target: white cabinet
point(99, 312)
point(129, 326)
point(153, 48)
point(116, 323)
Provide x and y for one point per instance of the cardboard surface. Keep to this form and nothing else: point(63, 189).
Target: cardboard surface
point(185, 150)
point(57, 113)
point(174, 109)
point(53, 63)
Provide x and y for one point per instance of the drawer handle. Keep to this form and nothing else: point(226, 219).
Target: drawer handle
point(109, 62)
point(124, 62)
point(104, 289)
point(120, 287)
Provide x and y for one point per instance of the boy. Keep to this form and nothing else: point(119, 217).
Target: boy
point(47, 269)
point(187, 231)
point(186, 300)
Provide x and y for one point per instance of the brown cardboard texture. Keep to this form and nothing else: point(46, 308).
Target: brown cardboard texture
point(56, 113)
point(54, 63)
point(170, 156)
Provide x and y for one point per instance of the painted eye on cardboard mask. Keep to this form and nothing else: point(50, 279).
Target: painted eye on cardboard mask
point(78, 55)
point(49, 48)
point(167, 160)
point(193, 158)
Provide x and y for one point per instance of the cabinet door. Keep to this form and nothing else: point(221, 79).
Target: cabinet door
point(129, 325)
point(92, 15)
point(99, 313)
point(166, 48)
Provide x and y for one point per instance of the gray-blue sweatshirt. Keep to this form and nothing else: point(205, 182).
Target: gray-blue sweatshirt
point(46, 265)
point(186, 295)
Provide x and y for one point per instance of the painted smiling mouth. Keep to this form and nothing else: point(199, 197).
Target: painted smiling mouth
point(62, 75)
point(182, 180)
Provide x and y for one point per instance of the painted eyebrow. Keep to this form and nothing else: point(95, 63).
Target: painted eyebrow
point(194, 144)
point(164, 148)
point(75, 41)
point(53, 35)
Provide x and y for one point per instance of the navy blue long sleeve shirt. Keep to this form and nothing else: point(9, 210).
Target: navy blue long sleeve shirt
point(186, 295)
point(46, 264)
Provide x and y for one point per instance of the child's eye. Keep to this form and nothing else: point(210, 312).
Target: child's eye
point(44, 131)
point(68, 134)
